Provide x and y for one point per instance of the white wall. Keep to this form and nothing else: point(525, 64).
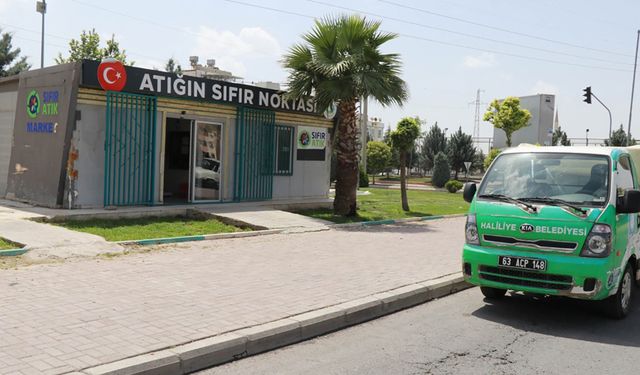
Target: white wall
point(89, 139)
point(7, 119)
point(310, 179)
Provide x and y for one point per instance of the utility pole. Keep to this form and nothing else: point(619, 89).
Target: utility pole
point(476, 120)
point(41, 7)
point(633, 85)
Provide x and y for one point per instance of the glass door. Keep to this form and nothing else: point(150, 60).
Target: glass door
point(206, 162)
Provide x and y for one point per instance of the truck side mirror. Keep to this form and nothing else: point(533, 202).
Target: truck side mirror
point(629, 203)
point(469, 191)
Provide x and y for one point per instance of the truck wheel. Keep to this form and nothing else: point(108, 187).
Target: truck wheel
point(617, 306)
point(493, 293)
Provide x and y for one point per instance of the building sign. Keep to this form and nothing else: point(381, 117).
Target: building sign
point(312, 143)
point(312, 138)
point(154, 82)
point(112, 75)
point(41, 111)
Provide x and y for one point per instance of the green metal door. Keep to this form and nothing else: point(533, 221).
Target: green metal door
point(129, 149)
point(254, 154)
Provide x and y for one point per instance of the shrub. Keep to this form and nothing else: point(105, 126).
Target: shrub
point(453, 185)
point(441, 170)
point(363, 181)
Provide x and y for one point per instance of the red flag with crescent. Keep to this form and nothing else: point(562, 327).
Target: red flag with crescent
point(112, 75)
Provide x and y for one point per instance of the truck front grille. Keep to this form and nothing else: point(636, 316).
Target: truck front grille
point(526, 278)
point(536, 244)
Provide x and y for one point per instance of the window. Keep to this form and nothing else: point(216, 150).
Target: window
point(284, 151)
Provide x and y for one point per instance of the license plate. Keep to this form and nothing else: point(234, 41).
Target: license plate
point(526, 263)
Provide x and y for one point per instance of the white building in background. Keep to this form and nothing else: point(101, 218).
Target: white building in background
point(209, 71)
point(375, 129)
point(541, 125)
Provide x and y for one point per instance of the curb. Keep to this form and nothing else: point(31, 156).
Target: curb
point(217, 236)
point(229, 346)
point(12, 252)
point(394, 221)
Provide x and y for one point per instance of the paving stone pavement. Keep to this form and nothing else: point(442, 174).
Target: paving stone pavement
point(58, 318)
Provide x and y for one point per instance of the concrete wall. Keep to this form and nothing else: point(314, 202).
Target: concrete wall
point(37, 167)
point(542, 107)
point(8, 98)
point(310, 179)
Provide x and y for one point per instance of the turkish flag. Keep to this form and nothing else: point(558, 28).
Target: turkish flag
point(112, 75)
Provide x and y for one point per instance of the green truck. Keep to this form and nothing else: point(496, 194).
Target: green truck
point(557, 221)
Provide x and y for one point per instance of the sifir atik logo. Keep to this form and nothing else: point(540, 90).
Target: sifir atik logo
point(112, 75)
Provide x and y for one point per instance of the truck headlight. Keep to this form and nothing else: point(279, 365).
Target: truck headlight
point(471, 230)
point(598, 242)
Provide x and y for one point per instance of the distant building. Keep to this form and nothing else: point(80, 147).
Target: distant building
point(209, 71)
point(375, 129)
point(541, 125)
point(268, 85)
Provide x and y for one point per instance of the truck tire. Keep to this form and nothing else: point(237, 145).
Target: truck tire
point(492, 293)
point(618, 305)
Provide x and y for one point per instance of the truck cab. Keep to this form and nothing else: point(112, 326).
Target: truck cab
point(556, 221)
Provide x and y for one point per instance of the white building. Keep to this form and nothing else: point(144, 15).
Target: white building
point(540, 127)
point(209, 71)
point(375, 129)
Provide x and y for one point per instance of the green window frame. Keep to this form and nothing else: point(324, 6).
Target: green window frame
point(283, 165)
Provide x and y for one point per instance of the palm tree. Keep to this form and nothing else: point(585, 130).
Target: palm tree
point(341, 62)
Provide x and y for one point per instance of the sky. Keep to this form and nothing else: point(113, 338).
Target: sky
point(449, 48)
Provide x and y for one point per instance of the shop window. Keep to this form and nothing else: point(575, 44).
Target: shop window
point(283, 165)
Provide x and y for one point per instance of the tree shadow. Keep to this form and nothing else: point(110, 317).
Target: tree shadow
point(564, 317)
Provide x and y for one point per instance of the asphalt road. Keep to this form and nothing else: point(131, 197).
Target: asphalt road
point(465, 334)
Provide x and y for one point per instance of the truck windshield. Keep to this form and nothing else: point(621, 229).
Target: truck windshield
point(577, 179)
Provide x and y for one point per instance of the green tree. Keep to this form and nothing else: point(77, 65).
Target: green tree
point(460, 150)
point(341, 61)
point(88, 47)
point(8, 57)
point(394, 163)
point(434, 141)
point(403, 139)
point(560, 135)
point(478, 161)
point(619, 138)
point(173, 66)
point(508, 116)
point(378, 158)
point(489, 159)
point(441, 170)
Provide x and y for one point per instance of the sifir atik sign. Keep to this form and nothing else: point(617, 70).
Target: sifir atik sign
point(113, 76)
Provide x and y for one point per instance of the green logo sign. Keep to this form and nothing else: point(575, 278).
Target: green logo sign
point(33, 104)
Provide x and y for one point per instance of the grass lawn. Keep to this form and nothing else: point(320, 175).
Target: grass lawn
point(148, 228)
point(384, 204)
point(5, 245)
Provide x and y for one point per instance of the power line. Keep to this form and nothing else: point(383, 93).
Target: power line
point(443, 42)
point(502, 29)
point(467, 34)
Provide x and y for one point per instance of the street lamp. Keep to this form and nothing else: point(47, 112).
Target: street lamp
point(41, 7)
point(587, 137)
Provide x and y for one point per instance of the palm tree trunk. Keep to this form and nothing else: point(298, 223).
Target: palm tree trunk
point(403, 180)
point(346, 143)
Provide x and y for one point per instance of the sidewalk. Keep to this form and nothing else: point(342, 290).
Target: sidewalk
point(76, 315)
point(46, 241)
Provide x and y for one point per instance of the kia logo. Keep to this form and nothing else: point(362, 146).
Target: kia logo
point(112, 75)
point(526, 228)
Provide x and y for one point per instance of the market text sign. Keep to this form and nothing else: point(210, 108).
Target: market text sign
point(152, 82)
point(41, 110)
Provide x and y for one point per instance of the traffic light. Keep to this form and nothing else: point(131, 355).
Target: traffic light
point(587, 94)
